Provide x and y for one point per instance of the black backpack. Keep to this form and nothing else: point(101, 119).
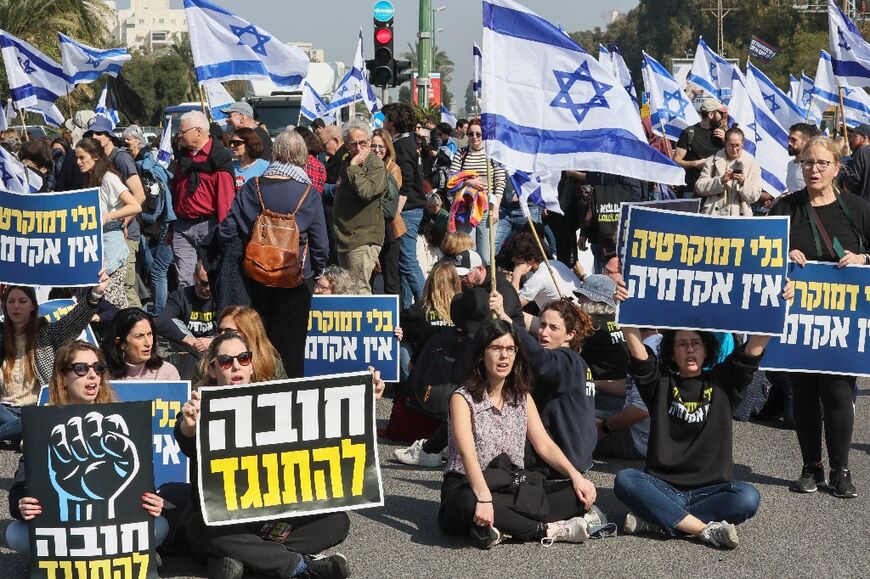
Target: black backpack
point(438, 372)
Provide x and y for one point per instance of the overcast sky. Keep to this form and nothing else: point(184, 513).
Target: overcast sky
point(333, 25)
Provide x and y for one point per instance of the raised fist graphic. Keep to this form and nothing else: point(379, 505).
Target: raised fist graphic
point(90, 459)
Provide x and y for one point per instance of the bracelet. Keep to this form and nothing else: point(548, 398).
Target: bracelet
point(484, 502)
point(867, 259)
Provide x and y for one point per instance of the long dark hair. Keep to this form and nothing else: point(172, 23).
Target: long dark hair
point(33, 325)
point(102, 165)
point(116, 336)
point(517, 383)
point(666, 348)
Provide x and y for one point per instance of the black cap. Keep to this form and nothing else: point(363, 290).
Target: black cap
point(863, 130)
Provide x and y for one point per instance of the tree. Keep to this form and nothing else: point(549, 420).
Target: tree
point(442, 64)
point(470, 99)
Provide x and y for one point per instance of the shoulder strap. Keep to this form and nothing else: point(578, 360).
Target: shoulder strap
point(301, 199)
point(819, 232)
point(260, 194)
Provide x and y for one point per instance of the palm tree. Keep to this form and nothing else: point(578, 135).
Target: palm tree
point(441, 64)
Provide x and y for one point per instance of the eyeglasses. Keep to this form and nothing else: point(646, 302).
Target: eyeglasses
point(820, 165)
point(236, 143)
point(499, 350)
point(360, 144)
point(378, 147)
point(182, 131)
point(225, 361)
point(228, 331)
point(327, 141)
point(81, 368)
point(684, 346)
point(475, 134)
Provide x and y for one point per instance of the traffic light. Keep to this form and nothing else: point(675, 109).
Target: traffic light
point(401, 72)
point(382, 73)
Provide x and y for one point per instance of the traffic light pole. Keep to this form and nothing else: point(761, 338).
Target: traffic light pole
point(424, 53)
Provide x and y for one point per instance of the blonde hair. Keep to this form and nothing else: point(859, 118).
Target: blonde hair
point(827, 144)
point(455, 243)
point(63, 359)
point(250, 325)
point(441, 286)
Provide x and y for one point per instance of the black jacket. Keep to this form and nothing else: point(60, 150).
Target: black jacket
point(412, 178)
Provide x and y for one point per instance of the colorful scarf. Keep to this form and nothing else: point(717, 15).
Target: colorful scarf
point(469, 205)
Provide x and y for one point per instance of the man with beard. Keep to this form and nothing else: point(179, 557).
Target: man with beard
point(701, 140)
point(798, 136)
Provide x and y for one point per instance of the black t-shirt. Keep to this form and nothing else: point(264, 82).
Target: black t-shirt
point(334, 163)
point(267, 143)
point(701, 145)
point(605, 351)
point(834, 221)
point(123, 162)
point(609, 192)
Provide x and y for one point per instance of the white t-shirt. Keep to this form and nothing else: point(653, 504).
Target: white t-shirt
point(539, 287)
point(794, 177)
point(110, 193)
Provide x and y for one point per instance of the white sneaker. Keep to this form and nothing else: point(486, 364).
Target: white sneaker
point(722, 535)
point(571, 531)
point(416, 456)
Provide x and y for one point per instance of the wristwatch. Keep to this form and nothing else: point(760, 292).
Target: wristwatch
point(606, 427)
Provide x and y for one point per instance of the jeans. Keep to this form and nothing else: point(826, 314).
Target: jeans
point(409, 266)
point(187, 236)
point(157, 256)
point(480, 235)
point(18, 539)
point(511, 221)
point(656, 501)
point(10, 422)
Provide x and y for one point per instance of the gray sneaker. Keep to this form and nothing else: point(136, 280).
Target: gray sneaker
point(573, 530)
point(634, 525)
point(414, 455)
point(722, 535)
point(487, 537)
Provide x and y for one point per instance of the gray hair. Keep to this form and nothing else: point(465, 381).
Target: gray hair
point(434, 199)
point(135, 132)
point(195, 119)
point(356, 124)
point(596, 308)
point(290, 147)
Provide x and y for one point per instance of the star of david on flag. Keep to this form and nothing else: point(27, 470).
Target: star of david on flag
point(83, 63)
point(227, 47)
point(711, 72)
point(850, 53)
point(856, 104)
point(783, 109)
point(15, 177)
point(548, 105)
point(314, 107)
point(670, 110)
point(355, 84)
point(35, 80)
point(537, 189)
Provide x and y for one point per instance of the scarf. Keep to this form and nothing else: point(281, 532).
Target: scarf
point(288, 171)
point(469, 204)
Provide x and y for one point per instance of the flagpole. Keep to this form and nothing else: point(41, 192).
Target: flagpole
point(843, 113)
point(665, 137)
point(205, 110)
point(544, 257)
point(22, 113)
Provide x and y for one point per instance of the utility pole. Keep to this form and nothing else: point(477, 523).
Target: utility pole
point(720, 13)
point(424, 53)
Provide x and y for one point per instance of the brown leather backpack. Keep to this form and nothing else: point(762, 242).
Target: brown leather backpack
point(272, 254)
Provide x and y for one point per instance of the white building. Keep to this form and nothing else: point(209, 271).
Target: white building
point(147, 24)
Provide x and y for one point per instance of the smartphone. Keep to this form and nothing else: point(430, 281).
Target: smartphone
point(737, 168)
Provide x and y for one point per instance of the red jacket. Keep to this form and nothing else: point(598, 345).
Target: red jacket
point(216, 190)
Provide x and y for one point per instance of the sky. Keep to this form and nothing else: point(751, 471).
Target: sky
point(333, 25)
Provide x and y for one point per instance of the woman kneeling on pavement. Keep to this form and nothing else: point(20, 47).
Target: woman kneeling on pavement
point(687, 486)
point(491, 416)
point(230, 549)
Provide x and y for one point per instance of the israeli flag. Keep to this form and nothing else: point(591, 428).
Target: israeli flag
point(226, 47)
point(15, 177)
point(856, 103)
point(35, 80)
point(794, 86)
point(620, 71)
point(711, 72)
point(765, 139)
point(3, 122)
point(10, 113)
point(447, 116)
point(314, 107)
point(83, 63)
point(476, 56)
point(804, 98)
point(104, 108)
point(164, 153)
point(217, 98)
point(671, 112)
point(536, 189)
point(783, 108)
point(549, 105)
point(850, 53)
point(355, 84)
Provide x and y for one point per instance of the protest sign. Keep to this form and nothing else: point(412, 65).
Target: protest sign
point(684, 205)
point(166, 398)
point(89, 465)
point(351, 333)
point(287, 448)
point(827, 329)
point(704, 272)
point(51, 238)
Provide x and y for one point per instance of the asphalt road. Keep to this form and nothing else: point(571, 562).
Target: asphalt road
point(792, 536)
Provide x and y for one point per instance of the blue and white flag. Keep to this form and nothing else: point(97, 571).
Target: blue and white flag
point(804, 98)
point(15, 177)
point(10, 113)
point(105, 109)
point(671, 111)
point(764, 139)
point(355, 84)
point(620, 71)
point(850, 53)
point(783, 108)
point(537, 189)
point(164, 153)
point(83, 63)
point(549, 105)
point(217, 97)
point(35, 80)
point(4, 124)
point(373, 103)
point(856, 103)
point(477, 57)
point(794, 87)
point(447, 116)
point(711, 72)
point(314, 107)
point(226, 47)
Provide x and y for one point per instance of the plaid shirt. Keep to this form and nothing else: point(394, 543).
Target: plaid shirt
point(317, 172)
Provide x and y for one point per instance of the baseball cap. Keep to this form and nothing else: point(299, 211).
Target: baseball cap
point(597, 288)
point(712, 104)
point(239, 107)
point(466, 261)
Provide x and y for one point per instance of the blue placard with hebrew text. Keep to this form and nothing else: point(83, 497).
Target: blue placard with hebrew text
point(351, 333)
point(827, 329)
point(704, 272)
point(52, 239)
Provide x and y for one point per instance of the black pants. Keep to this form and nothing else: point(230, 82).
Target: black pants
point(836, 396)
point(310, 535)
point(438, 440)
point(389, 259)
point(285, 315)
point(458, 502)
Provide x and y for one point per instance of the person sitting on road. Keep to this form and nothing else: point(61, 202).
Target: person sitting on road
point(130, 348)
point(491, 417)
point(247, 322)
point(188, 320)
point(336, 281)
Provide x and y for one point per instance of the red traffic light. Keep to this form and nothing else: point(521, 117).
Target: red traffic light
point(383, 36)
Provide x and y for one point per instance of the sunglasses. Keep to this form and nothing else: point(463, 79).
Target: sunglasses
point(81, 368)
point(225, 361)
point(236, 143)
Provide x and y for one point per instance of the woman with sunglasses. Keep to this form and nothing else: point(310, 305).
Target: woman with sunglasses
point(27, 348)
point(79, 378)
point(829, 226)
point(232, 549)
point(491, 415)
point(248, 323)
point(130, 346)
point(247, 148)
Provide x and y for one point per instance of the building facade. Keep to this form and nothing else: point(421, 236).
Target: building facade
point(147, 24)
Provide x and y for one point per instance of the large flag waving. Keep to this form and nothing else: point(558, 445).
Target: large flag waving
point(783, 108)
point(355, 84)
point(226, 47)
point(105, 107)
point(670, 110)
point(548, 105)
point(35, 80)
point(314, 107)
point(15, 177)
point(83, 63)
point(711, 72)
point(850, 53)
point(856, 103)
point(539, 190)
point(794, 87)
